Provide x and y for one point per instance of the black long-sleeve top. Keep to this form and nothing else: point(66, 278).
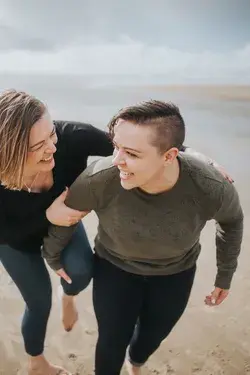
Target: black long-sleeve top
point(23, 222)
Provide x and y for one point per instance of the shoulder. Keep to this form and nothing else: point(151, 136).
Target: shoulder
point(205, 178)
point(102, 169)
point(67, 128)
point(201, 170)
point(99, 181)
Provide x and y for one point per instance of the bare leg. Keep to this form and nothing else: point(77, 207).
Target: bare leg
point(69, 312)
point(132, 370)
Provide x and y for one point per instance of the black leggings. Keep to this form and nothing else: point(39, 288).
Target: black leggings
point(30, 275)
point(135, 311)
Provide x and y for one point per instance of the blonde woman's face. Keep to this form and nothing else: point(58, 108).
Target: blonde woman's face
point(42, 147)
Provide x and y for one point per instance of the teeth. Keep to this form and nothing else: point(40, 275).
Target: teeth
point(125, 173)
point(49, 158)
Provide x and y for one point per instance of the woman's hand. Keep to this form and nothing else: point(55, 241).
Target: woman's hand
point(216, 297)
point(59, 214)
point(223, 172)
point(64, 275)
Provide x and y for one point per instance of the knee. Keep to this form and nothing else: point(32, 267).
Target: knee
point(81, 276)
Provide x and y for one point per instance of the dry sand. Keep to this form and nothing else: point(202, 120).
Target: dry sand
point(212, 341)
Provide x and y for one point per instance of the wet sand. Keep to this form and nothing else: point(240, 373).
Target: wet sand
point(206, 341)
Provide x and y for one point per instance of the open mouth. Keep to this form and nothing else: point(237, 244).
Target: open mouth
point(125, 175)
point(47, 160)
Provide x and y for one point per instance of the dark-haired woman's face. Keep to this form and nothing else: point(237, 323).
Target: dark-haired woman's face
point(140, 163)
point(42, 147)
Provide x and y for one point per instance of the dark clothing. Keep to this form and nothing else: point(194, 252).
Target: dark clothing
point(23, 222)
point(142, 310)
point(30, 275)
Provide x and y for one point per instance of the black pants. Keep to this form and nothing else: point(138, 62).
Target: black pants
point(136, 312)
point(29, 273)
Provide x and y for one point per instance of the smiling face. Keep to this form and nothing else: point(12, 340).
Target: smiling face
point(140, 163)
point(27, 138)
point(42, 141)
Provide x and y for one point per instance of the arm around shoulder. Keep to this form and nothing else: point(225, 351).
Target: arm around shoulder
point(86, 140)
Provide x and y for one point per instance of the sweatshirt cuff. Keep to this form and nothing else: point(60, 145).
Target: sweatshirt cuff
point(55, 264)
point(223, 279)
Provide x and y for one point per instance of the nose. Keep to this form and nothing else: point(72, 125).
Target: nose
point(118, 158)
point(51, 147)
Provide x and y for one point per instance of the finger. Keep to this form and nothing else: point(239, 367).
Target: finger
point(72, 221)
point(208, 301)
point(63, 195)
point(228, 178)
point(64, 276)
point(72, 212)
point(214, 295)
point(222, 296)
point(76, 218)
point(85, 213)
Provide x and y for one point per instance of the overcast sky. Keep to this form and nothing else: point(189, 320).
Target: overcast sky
point(189, 39)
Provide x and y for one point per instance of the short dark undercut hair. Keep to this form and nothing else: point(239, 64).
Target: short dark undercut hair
point(163, 117)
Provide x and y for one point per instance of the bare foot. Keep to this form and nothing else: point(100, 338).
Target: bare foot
point(69, 312)
point(132, 370)
point(40, 366)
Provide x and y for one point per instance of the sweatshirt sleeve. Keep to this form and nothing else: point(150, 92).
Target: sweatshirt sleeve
point(229, 232)
point(80, 197)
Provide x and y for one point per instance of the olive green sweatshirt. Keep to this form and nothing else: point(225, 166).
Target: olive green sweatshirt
point(156, 234)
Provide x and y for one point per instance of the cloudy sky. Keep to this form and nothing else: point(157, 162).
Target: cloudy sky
point(189, 40)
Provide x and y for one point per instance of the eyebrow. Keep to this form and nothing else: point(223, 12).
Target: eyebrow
point(128, 148)
point(41, 142)
point(132, 149)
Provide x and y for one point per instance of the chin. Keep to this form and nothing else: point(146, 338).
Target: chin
point(48, 167)
point(127, 186)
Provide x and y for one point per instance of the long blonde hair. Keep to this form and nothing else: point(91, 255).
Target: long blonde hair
point(19, 111)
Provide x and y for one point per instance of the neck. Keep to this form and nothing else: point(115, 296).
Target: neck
point(166, 181)
point(30, 177)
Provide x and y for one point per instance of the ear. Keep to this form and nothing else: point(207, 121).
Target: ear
point(171, 155)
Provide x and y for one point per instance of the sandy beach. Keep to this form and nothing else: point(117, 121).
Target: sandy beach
point(206, 341)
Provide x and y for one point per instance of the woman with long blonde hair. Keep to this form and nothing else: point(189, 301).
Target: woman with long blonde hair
point(39, 158)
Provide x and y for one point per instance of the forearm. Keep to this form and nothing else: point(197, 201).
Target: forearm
point(53, 244)
point(79, 198)
point(228, 245)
